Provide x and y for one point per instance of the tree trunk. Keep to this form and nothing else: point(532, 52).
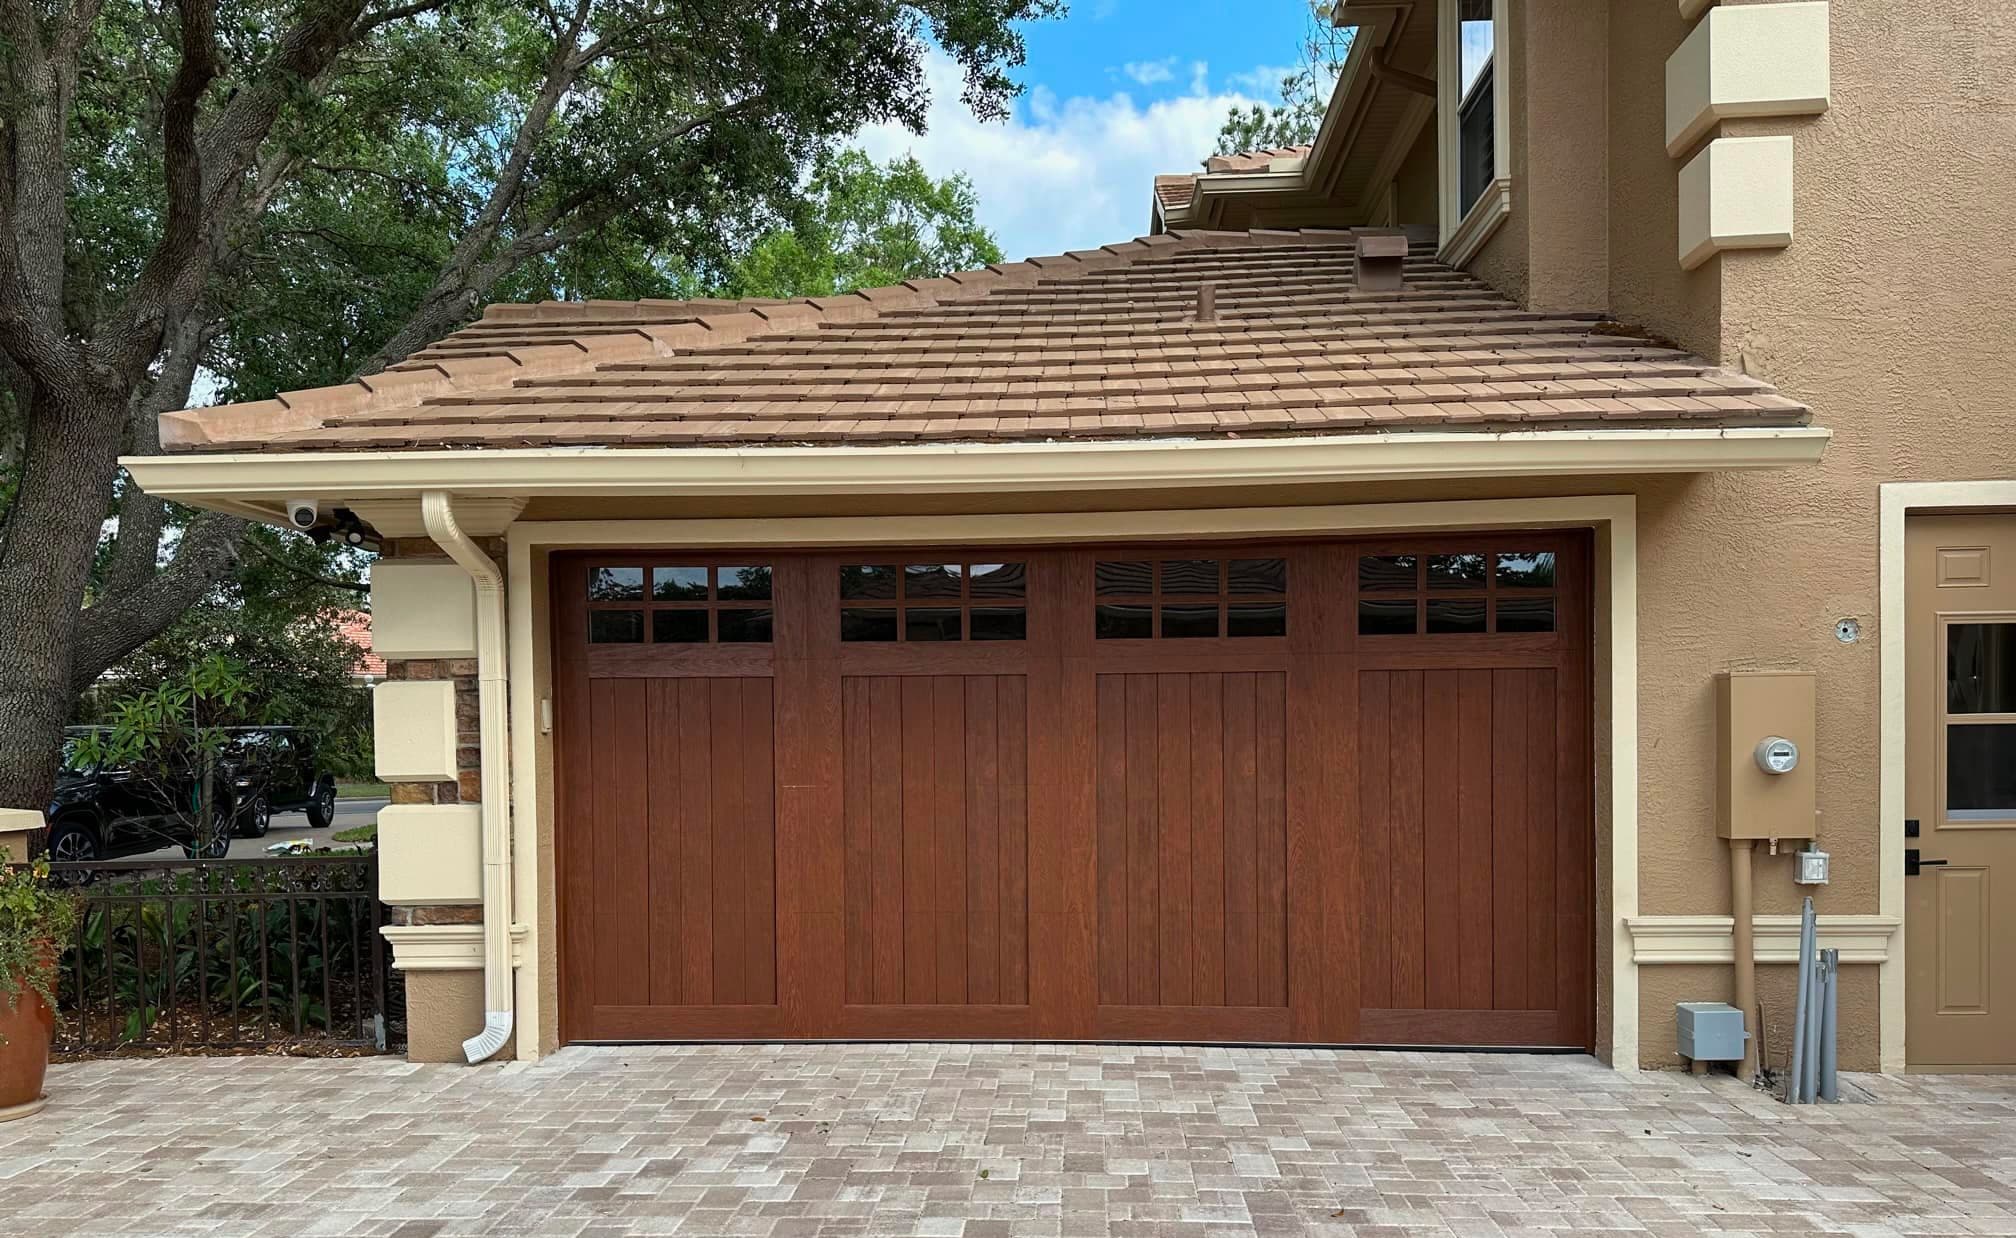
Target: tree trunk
point(45, 563)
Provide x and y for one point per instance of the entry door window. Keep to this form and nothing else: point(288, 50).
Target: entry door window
point(1980, 721)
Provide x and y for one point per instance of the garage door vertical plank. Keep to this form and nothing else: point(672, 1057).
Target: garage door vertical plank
point(696, 840)
point(1206, 795)
point(1575, 883)
point(622, 969)
point(857, 774)
point(948, 832)
point(1473, 863)
point(1376, 867)
point(1270, 717)
point(1511, 690)
point(661, 769)
point(1441, 839)
point(886, 823)
point(1113, 896)
point(1408, 965)
point(731, 838)
point(1172, 783)
point(574, 826)
point(920, 961)
point(1242, 876)
point(983, 849)
point(1143, 852)
point(759, 876)
point(1541, 827)
point(1013, 783)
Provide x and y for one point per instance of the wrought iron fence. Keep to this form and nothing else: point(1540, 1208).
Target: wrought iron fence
point(186, 956)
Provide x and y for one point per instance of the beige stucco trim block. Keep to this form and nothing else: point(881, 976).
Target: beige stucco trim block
point(444, 947)
point(1736, 194)
point(430, 854)
point(1711, 939)
point(413, 730)
point(1747, 60)
point(422, 610)
point(16, 825)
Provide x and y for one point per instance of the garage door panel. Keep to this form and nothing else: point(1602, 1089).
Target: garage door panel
point(935, 775)
point(1192, 839)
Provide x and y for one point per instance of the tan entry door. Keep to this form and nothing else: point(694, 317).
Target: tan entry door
point(1960, 791)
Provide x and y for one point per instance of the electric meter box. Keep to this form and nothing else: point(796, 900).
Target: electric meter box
point(1764, 754)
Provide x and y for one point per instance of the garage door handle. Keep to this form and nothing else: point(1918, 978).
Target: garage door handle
point(1912, 863)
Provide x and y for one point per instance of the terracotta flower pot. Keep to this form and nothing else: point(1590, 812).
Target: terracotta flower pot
point(26, 1027)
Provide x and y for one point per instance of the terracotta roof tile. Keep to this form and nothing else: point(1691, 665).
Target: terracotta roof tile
point(1096, 343)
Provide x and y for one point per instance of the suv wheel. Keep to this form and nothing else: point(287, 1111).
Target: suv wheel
point(322, 809)
point(216, 843)
point(73, 841)
point(255, 817)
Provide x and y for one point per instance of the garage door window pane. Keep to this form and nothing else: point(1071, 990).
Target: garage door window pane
point(1125, 578)
point(742, 584)
point(673, 627)
point(1121, 621)
point(615, 584)
point(1386, 573)
point(997, 623)
point(868, 582)
point(1256, 619)
point(1183, 621)
point(742, 627)
point(1980, 771)
point(933, 624)
point(1456, 571)
point(1525, 614)
point(1526, 569)
point(679, 584)
point(998, 580)
point(865, 624)
point(616, 627)
point(1385, 616)
point(1981, 668)
point(1447, 615)
point(932, 580)
point(1192, 576)
point(1258, 576)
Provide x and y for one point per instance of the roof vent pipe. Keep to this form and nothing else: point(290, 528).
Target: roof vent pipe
point(1207, 302)
point(1381, 256)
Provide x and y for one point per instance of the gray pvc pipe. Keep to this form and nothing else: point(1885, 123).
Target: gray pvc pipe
point(1795, 1073)
point(1830, 964)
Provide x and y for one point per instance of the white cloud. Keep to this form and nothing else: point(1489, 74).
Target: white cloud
point(1261, 81)
point(1062, 174)
point(1150, 72)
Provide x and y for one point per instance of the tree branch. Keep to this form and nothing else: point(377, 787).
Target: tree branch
point(315, 577)
point(115, 626)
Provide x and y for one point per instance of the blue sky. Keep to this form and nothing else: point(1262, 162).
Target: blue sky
point(1118, 91)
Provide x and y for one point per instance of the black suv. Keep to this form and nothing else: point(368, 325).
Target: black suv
point(104, 813)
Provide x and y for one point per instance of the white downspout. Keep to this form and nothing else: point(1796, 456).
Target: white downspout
point(438, 513)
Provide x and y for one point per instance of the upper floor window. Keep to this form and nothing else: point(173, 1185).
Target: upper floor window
point(1476, 114)
point(1472, 108)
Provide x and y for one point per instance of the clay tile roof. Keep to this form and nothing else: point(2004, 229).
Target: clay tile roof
point(1176, 189)
point(1254, 160)
point(355, 627)
point(1098, 343)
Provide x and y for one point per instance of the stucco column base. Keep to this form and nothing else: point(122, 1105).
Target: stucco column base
point(444, 1008)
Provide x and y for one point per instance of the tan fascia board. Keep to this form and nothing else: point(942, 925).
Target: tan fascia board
point(257, 481)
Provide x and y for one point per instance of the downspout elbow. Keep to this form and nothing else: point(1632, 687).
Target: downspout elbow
point(437, 512)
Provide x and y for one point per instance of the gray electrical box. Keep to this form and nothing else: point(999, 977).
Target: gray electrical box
point(1710, 1031)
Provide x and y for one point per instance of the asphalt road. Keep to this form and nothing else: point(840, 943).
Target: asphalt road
point(289, 826)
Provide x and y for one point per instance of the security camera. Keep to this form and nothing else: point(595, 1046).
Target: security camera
point(302, 513)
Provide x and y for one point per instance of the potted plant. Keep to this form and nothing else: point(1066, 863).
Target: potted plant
point(35, 917)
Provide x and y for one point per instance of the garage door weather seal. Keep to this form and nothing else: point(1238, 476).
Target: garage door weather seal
point(438, 512)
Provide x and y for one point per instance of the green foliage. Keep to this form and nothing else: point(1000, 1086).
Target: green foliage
point(172, 737)
point(863, 226)
point(36, 919)
point(278, 620)
point(1305, 92)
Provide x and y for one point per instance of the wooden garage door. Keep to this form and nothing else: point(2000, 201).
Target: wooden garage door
point(1312, 793)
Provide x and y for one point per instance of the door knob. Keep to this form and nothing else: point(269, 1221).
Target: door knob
point(1912, 863)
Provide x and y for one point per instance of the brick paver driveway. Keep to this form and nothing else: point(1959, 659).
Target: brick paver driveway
point(972, 1140)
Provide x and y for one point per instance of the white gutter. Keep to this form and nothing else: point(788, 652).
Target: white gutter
point(247, 481)
point(438, 512)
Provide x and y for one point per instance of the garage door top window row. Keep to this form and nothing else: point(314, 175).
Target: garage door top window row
point(1450, 594)
point(679, 605)
point(933, 601)
point(1176, 599)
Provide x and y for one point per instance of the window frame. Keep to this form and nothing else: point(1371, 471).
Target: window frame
point(1464, 233)
point(1945, 719)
